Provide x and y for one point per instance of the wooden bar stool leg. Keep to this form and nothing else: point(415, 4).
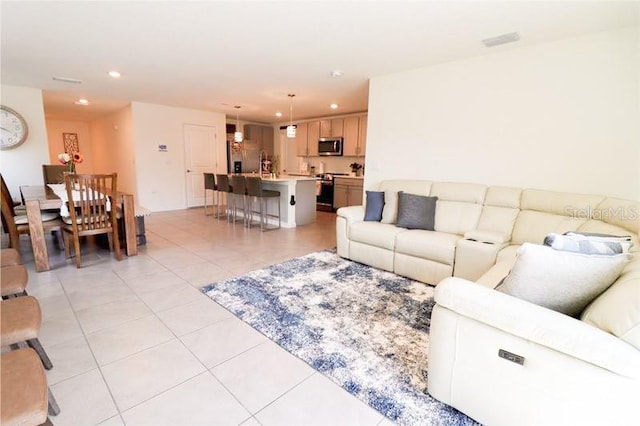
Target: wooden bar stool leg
point(36, 346)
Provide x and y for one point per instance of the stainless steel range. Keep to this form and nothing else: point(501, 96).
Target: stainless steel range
point(324, 198)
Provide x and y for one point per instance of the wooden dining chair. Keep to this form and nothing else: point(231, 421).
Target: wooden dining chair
point(18, 224)
point(53, 173)
point(18, 207)
point(92, 210)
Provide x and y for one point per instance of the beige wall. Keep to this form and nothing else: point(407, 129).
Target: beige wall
point(114, 149)
point(23, 165)
point(161, 176)
point(55, 129)
point(560, 116)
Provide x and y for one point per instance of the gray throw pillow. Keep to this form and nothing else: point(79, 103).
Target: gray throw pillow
point(560, 280)
point(416, 211)
point(374, 206)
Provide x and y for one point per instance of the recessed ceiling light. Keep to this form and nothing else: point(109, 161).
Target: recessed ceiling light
point(278, 114)
point(333, 106)
point(114, 74)
point(336, 73)
point(82, 102)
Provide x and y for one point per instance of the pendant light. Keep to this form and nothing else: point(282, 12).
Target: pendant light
point(291, 129)
point(238, 136)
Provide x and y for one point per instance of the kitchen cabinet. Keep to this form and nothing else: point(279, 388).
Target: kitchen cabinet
point(262, 135)
point(307, 135)
point(352, 129)
point(362, 136)
point(301, 139)
point(350, 136)
point(325, 128)
point(355, 136)
point(337, 127)
point(347, 192)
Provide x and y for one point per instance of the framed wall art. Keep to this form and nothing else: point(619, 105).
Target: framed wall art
point(70, 142)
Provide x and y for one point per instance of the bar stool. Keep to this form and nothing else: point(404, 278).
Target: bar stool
point(223, 187)
point(255, 190)
point(239, 188)
point(10, 257)
point(13, 281)
point(20, 321)
point(210, 185)
point(26, 398)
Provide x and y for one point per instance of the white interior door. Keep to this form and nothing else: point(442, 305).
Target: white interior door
point(200, 157)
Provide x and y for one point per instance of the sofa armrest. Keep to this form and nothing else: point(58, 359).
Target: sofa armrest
point(352, 213)
point(539, 325)
point(487, 237)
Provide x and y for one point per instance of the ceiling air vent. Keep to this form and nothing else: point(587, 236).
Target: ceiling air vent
point(501, 39)
point(67, 80)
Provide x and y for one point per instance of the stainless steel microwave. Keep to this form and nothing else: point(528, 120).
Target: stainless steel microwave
point(330, 146)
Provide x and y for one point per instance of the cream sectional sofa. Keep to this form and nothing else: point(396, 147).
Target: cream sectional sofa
point(582, 370)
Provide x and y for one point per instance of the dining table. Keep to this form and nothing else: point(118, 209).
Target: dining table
point(41, 197)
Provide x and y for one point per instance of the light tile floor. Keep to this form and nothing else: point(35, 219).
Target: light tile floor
point(136, 343)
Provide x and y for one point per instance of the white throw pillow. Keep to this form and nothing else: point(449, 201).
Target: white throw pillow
point(563, 281)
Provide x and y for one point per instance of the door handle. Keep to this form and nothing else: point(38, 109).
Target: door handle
point(188, 171)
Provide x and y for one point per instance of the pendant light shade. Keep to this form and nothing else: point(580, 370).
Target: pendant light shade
point(291, 129)
point(238, 136)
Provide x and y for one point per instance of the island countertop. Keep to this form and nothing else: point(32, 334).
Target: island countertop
point(281, 178)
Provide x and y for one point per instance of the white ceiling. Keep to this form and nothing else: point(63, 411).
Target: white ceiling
point(211, 55)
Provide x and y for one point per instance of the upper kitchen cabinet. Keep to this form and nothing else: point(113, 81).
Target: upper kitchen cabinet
point(325, 128)
point(353, 130)
point(263, 135)
point(307, 135)
point(337, 127)
point(355, 136)
point(301, 139)
point(313, 134)
point(362, 136)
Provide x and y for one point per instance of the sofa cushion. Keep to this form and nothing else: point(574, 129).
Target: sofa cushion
point(436, 246)
point(502, 196)
point(617, 310)
point(416, 211)
point(391, 188)
point(533, 226)
point(456, 217)
point(457, 191)
point(618, 212)
point(563, 281)
point(560, 203)
point(498, 219)
point(374, 206)
point(508, 254)
point(376, 234)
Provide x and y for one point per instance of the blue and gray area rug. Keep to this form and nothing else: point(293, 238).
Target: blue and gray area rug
point(365, 329)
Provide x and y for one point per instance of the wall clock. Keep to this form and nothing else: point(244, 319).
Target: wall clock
point(14, 128)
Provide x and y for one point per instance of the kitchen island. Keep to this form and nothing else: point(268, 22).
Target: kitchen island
point(299, 189)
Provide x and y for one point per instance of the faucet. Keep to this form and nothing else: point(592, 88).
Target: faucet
point(262, 160)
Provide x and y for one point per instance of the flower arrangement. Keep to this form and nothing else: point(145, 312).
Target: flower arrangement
point(70, 160)
point(355, 167)
point(275, 165)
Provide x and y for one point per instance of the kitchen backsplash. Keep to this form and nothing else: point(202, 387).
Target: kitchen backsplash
point(331, 164)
